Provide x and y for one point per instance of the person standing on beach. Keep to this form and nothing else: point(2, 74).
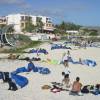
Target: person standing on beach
point(68, 53)
point(37, 52)
point(66, 64)
point(65, 61)
point(66, 58)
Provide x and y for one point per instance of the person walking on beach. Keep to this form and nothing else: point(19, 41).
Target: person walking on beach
point(37, 52)
point(65, 60)
point(68, 53)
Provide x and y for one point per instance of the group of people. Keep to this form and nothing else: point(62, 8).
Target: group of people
point(76, 86)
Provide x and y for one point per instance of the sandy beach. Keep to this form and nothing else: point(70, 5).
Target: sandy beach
point(32, 91)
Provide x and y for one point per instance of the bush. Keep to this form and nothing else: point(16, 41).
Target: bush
point(94, 39)
point(21, 42)
point(93, 34)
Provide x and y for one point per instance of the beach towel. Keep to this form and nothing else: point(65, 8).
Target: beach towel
point(51, 61)
point(75, 93)
point(55, 90)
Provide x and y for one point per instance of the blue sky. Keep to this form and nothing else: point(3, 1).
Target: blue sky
point(83, 12)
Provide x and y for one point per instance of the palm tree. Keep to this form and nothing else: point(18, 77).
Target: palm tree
point(29, 27)
point(93, 32)
point(10, 30)
point(39, 24)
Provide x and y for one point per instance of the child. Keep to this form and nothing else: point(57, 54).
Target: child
point(66, 81)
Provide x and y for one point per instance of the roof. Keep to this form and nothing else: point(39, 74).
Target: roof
point(72, 31)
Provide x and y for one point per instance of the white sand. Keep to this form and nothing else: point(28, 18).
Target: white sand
point(33, 91)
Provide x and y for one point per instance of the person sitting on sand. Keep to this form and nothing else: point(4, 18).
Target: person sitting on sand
point(66, 81)
point(31, 65)
point(13, 56)
point(76, 87)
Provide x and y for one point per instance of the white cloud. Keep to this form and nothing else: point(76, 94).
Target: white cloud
point(19, 3)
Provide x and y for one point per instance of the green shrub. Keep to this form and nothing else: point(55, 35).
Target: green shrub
point(22, 43)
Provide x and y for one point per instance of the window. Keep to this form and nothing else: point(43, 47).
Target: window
point(22, 24)
point(22, 18)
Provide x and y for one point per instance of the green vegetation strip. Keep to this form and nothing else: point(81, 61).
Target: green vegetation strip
point(21, 49)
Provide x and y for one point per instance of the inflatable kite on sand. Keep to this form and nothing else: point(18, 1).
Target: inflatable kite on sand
point(38, 51)
point(38, 69)
point(19, 80)
point(59, 46)
point(87, 62)
point(14, 81)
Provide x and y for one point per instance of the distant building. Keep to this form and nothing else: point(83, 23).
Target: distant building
point(48, 25)
point(72, 33)
point(19, 21)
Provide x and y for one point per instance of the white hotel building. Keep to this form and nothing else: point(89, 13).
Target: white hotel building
point(19, 21)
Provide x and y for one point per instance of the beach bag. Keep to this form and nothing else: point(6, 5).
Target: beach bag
point(96, 92)
point(85, 89)
point(46, 87)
